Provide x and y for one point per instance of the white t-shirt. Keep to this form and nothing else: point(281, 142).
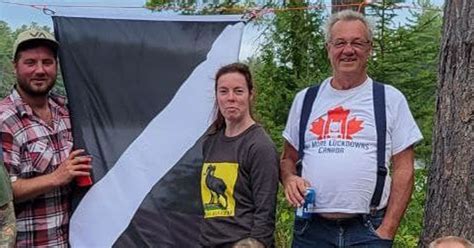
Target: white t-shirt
point(340, 159)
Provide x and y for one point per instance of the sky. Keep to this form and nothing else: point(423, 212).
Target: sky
point(19, 12)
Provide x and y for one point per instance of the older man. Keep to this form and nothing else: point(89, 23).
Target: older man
point(353, 128)
point(37, 143)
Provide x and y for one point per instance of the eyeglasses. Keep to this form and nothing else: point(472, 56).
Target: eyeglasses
point(356, 44)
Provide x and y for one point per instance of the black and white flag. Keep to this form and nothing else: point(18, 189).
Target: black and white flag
point(141, 94)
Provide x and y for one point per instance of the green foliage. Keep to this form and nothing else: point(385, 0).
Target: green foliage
point(292, 58)
point(6, 68)
point(407, 58)
point(284, 221)
point(412, 224)
point(226, 7)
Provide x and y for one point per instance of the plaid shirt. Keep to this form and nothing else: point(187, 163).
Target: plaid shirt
point(31, 148)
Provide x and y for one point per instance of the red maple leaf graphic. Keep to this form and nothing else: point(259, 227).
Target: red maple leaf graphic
point(336, 125)
point(353, 126)
point(338, 114)
point(317, 128)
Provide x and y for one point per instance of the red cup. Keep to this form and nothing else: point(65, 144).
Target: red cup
point(83, 181)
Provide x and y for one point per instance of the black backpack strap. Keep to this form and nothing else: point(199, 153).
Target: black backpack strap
point(308, 101)
point(381, 129)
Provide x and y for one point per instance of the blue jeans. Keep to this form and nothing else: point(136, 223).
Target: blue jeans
point(358, 232)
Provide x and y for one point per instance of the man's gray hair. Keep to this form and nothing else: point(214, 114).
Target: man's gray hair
point(347, 15)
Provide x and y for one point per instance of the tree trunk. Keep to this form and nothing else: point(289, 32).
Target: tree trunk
point(356, 5)
point(449, 208)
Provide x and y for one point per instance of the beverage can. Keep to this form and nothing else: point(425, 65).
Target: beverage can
point(305, 210)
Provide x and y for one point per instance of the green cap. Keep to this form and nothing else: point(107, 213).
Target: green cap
point(34, 34)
